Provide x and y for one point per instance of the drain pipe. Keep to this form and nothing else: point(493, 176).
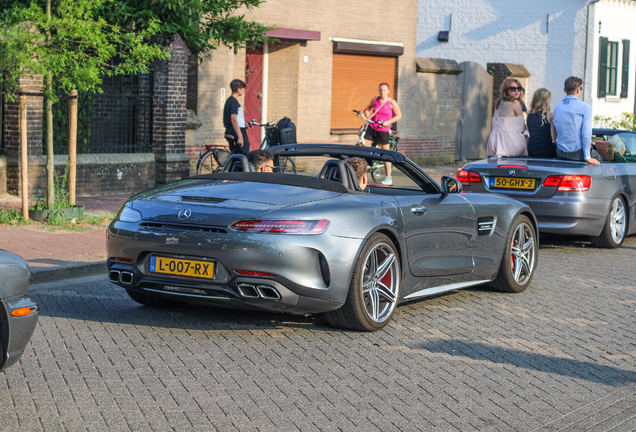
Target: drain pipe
point(587, 31)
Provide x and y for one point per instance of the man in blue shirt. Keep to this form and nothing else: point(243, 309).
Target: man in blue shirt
point(573, 124)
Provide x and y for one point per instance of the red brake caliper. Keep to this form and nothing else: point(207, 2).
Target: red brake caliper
point(512, 261)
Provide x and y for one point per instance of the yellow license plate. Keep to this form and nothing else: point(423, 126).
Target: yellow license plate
point(512, 183)
point(182, 267)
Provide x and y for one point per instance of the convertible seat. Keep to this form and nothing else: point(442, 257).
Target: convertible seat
point(602, 149)
point(338, 171)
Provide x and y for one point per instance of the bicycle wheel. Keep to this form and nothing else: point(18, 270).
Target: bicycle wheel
point(377, 171)
point(207, 164)
point(287, 166)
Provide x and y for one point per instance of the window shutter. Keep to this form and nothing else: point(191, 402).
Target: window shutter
point(602, 68)
point(625, 74)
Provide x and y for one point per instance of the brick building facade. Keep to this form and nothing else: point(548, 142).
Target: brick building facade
point(300, 71)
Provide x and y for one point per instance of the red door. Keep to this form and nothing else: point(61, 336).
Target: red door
point(253, 93)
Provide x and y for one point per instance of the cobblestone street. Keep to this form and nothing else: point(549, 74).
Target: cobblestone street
point(561, 355)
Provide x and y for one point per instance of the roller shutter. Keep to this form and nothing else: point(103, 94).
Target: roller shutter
point(355, 81)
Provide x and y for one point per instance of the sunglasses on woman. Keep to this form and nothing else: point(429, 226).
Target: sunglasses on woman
point(515, 89)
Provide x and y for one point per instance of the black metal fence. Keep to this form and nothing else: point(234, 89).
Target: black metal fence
point(119, 120)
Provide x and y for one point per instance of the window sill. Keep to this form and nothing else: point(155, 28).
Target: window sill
point(612, 98)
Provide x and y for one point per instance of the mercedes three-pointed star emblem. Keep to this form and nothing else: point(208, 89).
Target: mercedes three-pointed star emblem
point(184, 214)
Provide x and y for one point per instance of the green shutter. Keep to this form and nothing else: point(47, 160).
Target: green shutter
point(602, 68)
point(625, 74)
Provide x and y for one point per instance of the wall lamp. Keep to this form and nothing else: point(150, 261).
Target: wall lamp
point(444, 35)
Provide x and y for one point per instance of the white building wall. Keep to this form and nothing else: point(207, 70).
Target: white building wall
point(617, 20)
point(510, 31)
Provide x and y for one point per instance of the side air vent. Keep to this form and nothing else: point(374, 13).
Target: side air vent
point(203, 199)
point(485, 225)
point(183, 227)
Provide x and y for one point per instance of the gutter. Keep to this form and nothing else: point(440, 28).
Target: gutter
point(587, 30)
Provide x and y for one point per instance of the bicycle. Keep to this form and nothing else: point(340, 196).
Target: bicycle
point(376, 167)
point(214, 157)
point(270, 130)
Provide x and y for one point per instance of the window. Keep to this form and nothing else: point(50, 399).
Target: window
point(608, 74)
point(612, 68)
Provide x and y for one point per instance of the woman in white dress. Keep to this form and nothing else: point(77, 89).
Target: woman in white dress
point(507, 138)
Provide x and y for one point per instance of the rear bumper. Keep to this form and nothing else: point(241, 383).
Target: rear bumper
point(20, 329)
point(310, 273)
point(573, 214)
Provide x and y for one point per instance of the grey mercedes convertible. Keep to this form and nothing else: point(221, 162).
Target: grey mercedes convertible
point(309, 240)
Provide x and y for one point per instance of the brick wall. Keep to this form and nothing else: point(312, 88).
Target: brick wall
point(169, 120)
point(34, 120)
point(300, 74)
point(96, 174)
point(283, 85)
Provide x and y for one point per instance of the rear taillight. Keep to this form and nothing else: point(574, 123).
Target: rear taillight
point(467, 177)
point(569, 183)
point(282, 226)
point(254, 273)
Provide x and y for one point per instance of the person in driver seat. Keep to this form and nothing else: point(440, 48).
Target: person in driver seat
point(360, 166)
point(263, 160)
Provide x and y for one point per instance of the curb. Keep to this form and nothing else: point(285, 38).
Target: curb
point(44, 275)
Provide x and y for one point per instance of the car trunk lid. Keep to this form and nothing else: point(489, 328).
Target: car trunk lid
point(520, 177)
point(220, 203)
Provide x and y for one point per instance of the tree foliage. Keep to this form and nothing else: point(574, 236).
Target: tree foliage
point(202, 24)
point(74, 48)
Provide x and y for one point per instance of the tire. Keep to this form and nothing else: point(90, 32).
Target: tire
point(374, 289)
point(207, 164)
point(148, 300)
point(613, 233)
point(518, 263)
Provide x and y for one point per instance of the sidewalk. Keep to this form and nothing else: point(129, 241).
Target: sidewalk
point(58, 255)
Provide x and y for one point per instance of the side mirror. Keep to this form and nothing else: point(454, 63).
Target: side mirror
point(451, 185)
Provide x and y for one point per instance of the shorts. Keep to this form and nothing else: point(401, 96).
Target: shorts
point(377, 137)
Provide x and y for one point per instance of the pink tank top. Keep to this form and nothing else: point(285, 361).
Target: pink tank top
point(385, 114)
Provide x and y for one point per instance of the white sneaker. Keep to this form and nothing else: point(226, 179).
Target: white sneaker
point(387, 181)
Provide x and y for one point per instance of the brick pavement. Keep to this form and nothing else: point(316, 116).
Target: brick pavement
point(559, 356)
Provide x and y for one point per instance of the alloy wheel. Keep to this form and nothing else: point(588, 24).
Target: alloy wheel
point(380, 283)
point(617, 220)
point(522, 253)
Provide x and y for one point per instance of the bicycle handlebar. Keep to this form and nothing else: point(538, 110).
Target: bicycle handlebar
point(255, 123)
point(358, 113)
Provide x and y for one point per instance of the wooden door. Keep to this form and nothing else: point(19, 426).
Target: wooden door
point(253, 94)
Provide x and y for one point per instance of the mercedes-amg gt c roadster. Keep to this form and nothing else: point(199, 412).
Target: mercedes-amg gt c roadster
point(310, 240)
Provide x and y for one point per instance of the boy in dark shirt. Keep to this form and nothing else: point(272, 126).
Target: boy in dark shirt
point(233, 118)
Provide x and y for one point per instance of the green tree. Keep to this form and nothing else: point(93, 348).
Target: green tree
point(202, 24)
point(69, 44)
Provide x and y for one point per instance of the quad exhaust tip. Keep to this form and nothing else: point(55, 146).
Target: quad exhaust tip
point(123, 277)
point(264, 292)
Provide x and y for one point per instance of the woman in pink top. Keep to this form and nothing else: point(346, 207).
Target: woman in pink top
point(507, 138)
point(388, 112)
